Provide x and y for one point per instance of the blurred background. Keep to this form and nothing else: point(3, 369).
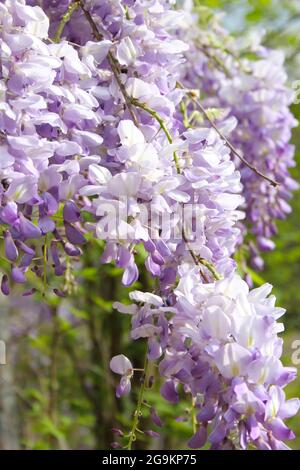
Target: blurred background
point(56, 391)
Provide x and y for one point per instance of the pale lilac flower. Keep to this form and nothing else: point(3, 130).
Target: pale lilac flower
point(121, 365)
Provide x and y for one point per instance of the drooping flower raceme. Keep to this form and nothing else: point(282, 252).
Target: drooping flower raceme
point(68, 138)
point(48, 120)
point(222, 348)
point(263, 134)
point(255, 93)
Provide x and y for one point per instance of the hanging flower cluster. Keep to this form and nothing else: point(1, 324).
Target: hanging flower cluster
point(221, 346)
point(72, 147)
point(96, 141)
point(49, 139)
point(263, 133)
point(254, 93)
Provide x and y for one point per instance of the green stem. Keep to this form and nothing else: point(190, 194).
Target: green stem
point(162, 124)
point(183, 111)
point(65, 19)
point(198, 260)
point(210, 267)
point(194, 418)
point(155, 115)
point(138, 411)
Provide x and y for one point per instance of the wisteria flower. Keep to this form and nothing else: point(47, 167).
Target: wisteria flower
point(121, 365)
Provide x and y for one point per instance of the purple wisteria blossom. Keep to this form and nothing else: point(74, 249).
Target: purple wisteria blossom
point(254, 93)
point(121, 365)
point(221, 346)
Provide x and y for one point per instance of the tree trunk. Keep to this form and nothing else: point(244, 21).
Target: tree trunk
point(9, 439)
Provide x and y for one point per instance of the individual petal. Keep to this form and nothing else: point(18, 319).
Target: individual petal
point(18, 275)
point(99, 175)
point(72, 250)
point(289, 408)
point(198, 439)
point(129, 134)
point(124, 387)
point(73, 235)
point(155, 418)
point(280, 430)
point(130, 274)
point(169, 392)
point(46, 225)
point(9, 213)
point(71, 212)
point(232, 360)
point(146, 297)
point(121, 365)
point(153, 434)
point(5, 285)
point(98, 50)
point(28, 229)
point(11, 251)
point(144, 331)
point(126, 52)
point(124, 184)
point(130, 309)
point(218, 434)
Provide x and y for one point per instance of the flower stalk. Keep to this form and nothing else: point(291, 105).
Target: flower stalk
point(65, 19)
point(138, 410)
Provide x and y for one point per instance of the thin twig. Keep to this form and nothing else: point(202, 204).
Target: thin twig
point(197, 260)
point(95, 30)
point(114, 66)
point(228, 143)
point(201, 261)
point(112, 62)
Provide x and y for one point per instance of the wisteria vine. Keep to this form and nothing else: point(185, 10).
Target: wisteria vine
point(120, 121)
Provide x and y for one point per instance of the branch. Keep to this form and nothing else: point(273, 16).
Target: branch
point(228, 143)
point(197, 260)
point(112, 62)
point(201, 261)
point(233, 149)
point(115, 68)
point(218, 62)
